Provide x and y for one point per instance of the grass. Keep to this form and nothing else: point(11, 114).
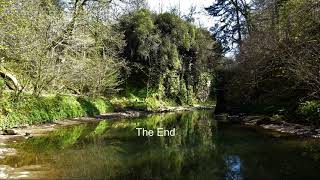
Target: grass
point(151, 103)
point(139, 99)
point(32, 110)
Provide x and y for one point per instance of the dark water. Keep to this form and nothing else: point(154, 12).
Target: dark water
point(202, 149)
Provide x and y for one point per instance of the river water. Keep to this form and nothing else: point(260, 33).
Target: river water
point(202, 148)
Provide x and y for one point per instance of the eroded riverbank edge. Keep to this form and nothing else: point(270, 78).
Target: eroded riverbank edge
point(282, 127)
point(25, 132)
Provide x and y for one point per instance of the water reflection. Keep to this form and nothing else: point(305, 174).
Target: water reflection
point(233, 164)
point(25, 172)
point(201, 149)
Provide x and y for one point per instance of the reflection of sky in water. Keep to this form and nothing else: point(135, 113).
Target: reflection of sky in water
point(15, 172)
point(28, 172)
point(233, 164)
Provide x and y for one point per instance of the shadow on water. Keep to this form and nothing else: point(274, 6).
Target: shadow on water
point(201, 149)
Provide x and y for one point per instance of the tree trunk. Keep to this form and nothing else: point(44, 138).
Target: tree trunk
point(11, 81)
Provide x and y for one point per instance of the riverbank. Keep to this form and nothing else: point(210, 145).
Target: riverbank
point(29, 110)
point(112, 149)
point(284, 127)
point(28, 131)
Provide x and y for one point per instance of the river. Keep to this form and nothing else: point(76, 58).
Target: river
point(202, 148)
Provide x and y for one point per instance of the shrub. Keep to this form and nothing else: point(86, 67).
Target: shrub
point(310, 110)
point(32, 110)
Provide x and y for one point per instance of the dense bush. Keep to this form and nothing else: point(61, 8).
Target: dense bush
point(278, 61)
point(168, 55)
point(133, 101)
point(168, 61)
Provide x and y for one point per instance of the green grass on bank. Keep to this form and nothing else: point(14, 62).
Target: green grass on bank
point(152, 100)
point(32, 110)
point(151, 103)
point(28, 110)
point(138, 103)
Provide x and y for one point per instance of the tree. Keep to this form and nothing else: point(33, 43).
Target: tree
point(190, 16)
point(169, 55)
point(234, 22)
point(48, 48)
point(278, 64)
point(27, 40)
point(299, 27)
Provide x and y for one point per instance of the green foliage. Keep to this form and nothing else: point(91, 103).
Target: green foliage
point(53, 50)
point(173, 83)
point(57, 140)
point(167, 54)
point(94, 106)
point(310, 110)
point(31, 110)
point(2, 85)
point(150, 103)
point(185, 97)
point(153, 103)
point(180, 32)
point(278, 63)
point(204, 86)
point(303, 26)
point(133, 102)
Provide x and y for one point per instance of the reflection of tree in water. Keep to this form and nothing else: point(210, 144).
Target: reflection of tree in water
point(188, 154)
point(192, 129)
point(111, 149)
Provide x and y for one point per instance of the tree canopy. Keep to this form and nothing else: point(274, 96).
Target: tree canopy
point(83, 47)
point(234, 22)
point(277, 66)
point(169, 55)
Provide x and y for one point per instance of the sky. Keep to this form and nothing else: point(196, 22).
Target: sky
point(202, 19)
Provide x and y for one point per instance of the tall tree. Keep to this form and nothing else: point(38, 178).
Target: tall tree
point(49, 49)
point(169, 55)
point(233, 24)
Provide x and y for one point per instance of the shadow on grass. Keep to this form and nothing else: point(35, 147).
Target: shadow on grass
point(89, 107)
